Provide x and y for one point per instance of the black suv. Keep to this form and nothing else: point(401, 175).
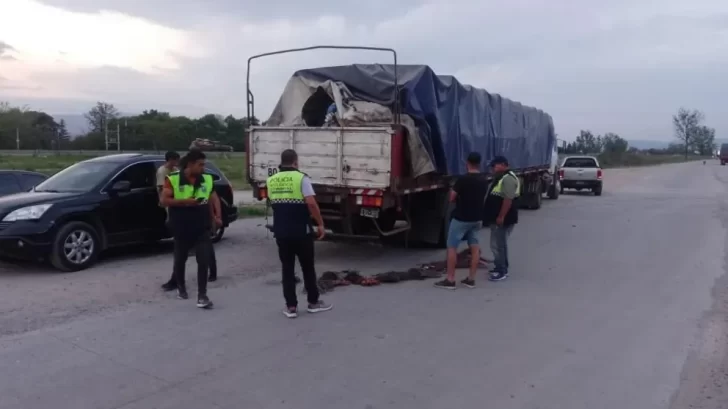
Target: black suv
point(93, 205)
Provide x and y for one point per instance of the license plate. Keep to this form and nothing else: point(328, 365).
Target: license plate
point(579, 183)
point(370, 213)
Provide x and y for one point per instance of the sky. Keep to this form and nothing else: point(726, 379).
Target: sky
point(607, 66)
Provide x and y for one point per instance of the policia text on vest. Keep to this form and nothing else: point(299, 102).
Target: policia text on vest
point(189, 195)
point(292, 199)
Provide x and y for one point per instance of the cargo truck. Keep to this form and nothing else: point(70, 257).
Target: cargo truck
point(723, 154)
point(383, 144)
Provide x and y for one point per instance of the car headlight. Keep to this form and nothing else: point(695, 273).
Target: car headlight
point(34, 212)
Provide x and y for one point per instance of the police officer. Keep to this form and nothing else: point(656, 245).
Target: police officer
point(501, 214)
point(188, 195)
point(294, 204)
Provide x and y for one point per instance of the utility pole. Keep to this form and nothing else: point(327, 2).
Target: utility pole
point(17, 138)
point(113, 137)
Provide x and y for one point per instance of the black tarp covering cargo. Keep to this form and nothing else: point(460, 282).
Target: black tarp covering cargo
point(453, 119)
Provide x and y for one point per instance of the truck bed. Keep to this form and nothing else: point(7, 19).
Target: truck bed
point(336, 157)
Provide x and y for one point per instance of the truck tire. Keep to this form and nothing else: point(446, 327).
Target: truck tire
point(553, 192)
point(722, 163)
point(442, 242)
point(532, 199)
point(597, 191)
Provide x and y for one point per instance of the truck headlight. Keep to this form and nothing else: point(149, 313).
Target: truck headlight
point(34, 212)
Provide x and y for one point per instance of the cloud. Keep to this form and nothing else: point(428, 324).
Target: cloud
point(619, 66)
point(6, 51)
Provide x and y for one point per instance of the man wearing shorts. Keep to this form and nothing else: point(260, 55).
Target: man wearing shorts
point(468, 194)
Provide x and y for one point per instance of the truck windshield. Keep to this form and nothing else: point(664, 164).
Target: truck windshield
point(580, 163)
point(81, 177)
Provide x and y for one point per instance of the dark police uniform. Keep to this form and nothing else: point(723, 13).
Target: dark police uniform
point(293, 234)
point(191, 227)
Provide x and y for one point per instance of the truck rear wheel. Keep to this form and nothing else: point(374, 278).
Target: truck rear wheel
point(442, 242)
point(532, 198)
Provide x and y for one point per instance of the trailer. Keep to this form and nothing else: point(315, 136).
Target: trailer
point(383, 144)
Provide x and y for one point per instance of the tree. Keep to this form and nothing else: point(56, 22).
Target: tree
point(63, 135)
point(687, 126)
point(704, 141)
point(586, 142)
point(100, 115)
point(613, 143)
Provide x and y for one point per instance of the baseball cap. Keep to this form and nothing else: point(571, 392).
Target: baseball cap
point(498, 160)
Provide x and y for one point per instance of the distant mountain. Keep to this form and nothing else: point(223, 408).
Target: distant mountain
point(647, 144)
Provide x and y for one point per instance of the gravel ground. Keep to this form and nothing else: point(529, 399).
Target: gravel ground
point(36, 296)
point(618, 301)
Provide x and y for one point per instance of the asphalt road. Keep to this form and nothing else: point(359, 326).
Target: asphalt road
point(617, 301)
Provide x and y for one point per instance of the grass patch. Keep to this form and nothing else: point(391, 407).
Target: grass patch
point(627, 159)
point(256, 210)
point(232, 166)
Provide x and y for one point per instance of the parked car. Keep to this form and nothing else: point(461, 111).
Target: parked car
point(581, 172)
point(16, 181)
point(91, 206)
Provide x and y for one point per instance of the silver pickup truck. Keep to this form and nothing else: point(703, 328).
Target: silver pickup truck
point(581, 172)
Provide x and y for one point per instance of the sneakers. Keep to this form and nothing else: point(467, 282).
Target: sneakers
point(450, 285)
point(182, 295)
point(169, 286)
point(290, 312)
point(212, 279)
point(319, 307)
point(497, 276)
point(203, 302)
point(445, 284)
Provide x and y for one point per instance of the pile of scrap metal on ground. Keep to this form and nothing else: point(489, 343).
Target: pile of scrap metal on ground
point(332, 279)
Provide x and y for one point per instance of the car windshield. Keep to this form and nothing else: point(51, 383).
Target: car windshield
point(81, 177)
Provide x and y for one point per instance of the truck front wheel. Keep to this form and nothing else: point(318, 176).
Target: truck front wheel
point(554, 191)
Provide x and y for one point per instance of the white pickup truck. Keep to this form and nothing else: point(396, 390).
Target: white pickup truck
point(581, 172)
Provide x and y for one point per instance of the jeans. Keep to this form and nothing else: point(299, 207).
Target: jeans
point(499, 246)
point(288, 250)
point(182, 246)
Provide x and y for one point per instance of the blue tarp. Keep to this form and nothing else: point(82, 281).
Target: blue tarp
point(454, 119)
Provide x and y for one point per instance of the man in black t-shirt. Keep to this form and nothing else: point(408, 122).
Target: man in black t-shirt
point(468, 194)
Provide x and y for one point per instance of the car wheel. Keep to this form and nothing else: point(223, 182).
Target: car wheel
point(561, 189)
point(75, 247)
point(217, 234)
point(597, 191)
